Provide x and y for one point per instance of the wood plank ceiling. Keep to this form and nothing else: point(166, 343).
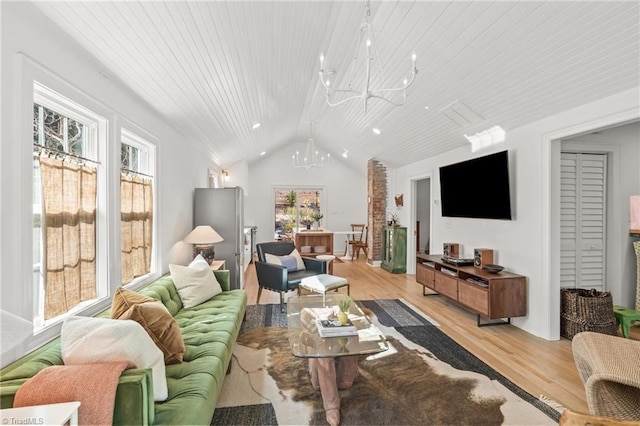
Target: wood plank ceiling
point(213, 69)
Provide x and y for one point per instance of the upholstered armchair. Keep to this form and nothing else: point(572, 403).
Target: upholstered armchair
point(609, 368)
point(276, 277)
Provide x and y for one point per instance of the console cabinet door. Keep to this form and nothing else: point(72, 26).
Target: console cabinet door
point(447, 285)
point(425, 276)
point(473, 296)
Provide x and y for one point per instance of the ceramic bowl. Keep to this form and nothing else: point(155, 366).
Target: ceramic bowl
point(494, 269)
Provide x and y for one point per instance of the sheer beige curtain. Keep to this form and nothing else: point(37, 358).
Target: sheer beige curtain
point(69, 209)
point(136, 216)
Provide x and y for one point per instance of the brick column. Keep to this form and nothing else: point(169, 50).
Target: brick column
point(376, 209)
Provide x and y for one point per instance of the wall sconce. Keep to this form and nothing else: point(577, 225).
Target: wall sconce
point(225, 175)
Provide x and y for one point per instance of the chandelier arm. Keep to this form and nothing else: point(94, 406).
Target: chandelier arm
point(404, 99)
point(395, 89)
point(346, 91)
point(350, 98)
point(328, 89)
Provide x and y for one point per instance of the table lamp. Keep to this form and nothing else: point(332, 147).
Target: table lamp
point(203, 237)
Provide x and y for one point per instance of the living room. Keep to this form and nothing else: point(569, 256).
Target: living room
point(35, 48)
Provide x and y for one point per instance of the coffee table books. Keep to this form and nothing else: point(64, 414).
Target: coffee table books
point(333, 328)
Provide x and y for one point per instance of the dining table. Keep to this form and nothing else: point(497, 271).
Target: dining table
point(349, 235)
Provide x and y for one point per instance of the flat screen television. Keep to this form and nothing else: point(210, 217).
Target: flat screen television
point(477, 188)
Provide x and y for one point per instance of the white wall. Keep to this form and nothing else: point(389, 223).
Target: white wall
point(345, 192)
point(181, 165)
point(527, 244)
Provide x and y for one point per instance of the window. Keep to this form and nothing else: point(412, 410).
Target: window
point(136, 206)
point(296, 209)
point(66, 207)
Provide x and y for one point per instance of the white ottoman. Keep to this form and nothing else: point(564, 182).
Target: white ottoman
point(329, 259)
point(323, 283)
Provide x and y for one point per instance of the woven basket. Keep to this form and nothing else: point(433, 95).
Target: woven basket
point(570, 326)
point(586, 310)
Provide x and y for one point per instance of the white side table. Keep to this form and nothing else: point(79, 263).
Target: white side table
point(217, 265)
point(50, 414)
point(329, 259)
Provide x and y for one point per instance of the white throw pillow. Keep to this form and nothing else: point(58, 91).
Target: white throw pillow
point(85, 340)
point(195, 283)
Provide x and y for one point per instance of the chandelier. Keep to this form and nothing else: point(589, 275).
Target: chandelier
point(312, 157)
point(370, 60)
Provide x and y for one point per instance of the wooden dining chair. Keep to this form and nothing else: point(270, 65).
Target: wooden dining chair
point(360, 245)
point(357, 229)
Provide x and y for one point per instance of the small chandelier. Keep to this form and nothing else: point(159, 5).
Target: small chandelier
point(372, 59)
point(312, 157)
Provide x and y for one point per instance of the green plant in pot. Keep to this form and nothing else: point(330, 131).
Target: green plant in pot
point(344, 306)
point(317, 217)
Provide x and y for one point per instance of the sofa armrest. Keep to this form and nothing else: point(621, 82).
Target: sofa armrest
point(223, 278)
point(134, 398)
point(315, 265)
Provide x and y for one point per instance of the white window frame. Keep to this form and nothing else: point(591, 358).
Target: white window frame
point(147, 166)
point(96, 140)
point(323, 200)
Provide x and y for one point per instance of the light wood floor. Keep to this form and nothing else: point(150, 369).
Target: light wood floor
point(536, 365)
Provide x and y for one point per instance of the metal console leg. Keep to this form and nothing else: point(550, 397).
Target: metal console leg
point(424, 293)
point(488, 324)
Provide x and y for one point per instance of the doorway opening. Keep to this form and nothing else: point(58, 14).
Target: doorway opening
point(423, 215)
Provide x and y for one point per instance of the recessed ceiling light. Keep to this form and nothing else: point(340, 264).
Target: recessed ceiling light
point(376, 130)
point(256, 125)
point(263, 153)
point(345, 154)
point(426, 107)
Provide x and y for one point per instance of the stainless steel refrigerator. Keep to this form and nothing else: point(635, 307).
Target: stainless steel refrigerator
point(223, 210)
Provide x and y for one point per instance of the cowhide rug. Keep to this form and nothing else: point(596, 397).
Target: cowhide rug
point(406, 385)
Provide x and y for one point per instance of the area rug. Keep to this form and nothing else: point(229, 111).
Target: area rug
point(425, 378)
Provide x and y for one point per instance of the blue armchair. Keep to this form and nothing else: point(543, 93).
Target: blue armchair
point(276, 277)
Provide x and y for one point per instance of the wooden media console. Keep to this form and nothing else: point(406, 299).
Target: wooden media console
point(494, 296)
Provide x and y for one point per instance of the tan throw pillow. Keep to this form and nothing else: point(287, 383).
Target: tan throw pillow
point(124, 299)
point(161, 327)
point(195, 283)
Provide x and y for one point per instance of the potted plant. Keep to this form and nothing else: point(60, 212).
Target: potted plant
point(317, 217)
point(306, 221)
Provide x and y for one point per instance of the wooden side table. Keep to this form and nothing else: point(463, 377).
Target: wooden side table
point(217, 265)
point(49, 414)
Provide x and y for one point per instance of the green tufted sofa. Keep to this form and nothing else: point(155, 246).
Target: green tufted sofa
point(209, 331)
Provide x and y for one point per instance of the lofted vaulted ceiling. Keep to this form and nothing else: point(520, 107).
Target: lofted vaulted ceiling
point(214, 68)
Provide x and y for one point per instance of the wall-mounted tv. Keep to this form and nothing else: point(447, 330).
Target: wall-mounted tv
point(477, 188)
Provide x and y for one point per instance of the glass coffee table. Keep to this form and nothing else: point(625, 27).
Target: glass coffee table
point(333, 361)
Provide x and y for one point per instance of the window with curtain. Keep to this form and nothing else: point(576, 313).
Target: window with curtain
point(136, 206)
point(65, 186)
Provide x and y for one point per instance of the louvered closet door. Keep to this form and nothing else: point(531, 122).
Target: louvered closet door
point(583, 220)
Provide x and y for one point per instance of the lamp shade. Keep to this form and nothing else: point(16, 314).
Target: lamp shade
point(203, 234)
